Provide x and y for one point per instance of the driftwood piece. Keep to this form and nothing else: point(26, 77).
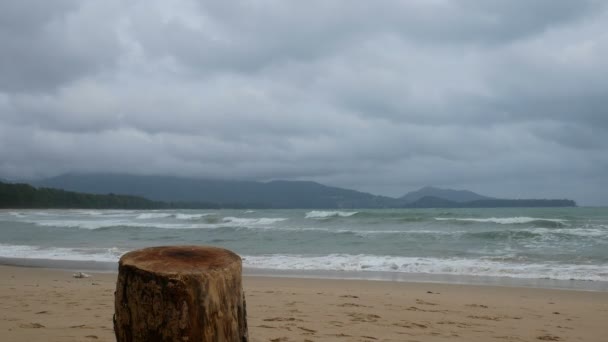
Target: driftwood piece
point(180, 293)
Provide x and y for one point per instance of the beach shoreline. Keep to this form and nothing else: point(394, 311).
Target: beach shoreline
point(112, 267)
point(43, 304)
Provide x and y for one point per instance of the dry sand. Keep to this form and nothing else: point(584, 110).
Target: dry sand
point(50, 305)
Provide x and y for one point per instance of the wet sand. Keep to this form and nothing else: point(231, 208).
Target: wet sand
point(38, 304)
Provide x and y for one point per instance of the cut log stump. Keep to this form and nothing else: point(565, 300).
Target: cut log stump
point(180, 293)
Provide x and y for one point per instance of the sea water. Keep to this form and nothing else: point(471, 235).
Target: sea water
point(507, 243)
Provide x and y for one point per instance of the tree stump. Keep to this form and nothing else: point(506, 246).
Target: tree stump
point(180, 293)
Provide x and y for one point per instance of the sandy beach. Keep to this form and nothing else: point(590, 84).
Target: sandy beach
point(38, 304)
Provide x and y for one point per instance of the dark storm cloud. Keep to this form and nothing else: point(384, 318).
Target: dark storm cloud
point(507, 98)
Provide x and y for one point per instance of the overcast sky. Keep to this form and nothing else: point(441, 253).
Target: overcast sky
point(506, 98)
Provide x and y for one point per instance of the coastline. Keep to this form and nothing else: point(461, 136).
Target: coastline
point(112, 267)
point(43, 304)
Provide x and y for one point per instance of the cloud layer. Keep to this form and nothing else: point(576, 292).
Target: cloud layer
point(507, 98)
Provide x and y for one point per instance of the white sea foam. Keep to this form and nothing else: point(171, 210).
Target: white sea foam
point(585, 232)
point(495, 266)
point(61, 253)
point(254, 223)
point(319, 214)
point(452, 266)
point(180, 216)
point(99, 224)
point(502, 220)
point(76, 212)
point(244, 222)
point(84, 224)
point(150, 216)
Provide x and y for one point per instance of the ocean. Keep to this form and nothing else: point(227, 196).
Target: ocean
point(526, 244)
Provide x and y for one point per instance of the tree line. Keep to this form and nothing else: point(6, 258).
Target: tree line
point(24, 196)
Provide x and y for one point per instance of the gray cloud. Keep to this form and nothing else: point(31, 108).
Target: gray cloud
point(506, 98)
point(48, 44)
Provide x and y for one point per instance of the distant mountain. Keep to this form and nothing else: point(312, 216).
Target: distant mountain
point(275, 194)
point(432, 202)
point(435, 202)
point(196, 193)
point(459, 196)
point(520, 203)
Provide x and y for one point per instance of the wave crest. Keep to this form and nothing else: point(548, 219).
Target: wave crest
point(150, 216)
point(446, 266)
point(506, 220)
point(320, 214)
point(262, 221)
point(61, 253)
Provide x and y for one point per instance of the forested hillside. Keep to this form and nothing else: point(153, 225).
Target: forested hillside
point(27, 196)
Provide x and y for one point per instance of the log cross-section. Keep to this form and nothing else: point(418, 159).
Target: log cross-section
point(180, 293)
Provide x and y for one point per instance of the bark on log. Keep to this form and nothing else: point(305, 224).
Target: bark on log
point(180, 293)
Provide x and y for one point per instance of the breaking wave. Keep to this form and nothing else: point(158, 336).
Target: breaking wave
point(484, 266)
point(60, 253)
point(151, 216)
point(319, 214)
point(211, 224)
point(445, 266)
point(178, 216)
point(506, 220)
